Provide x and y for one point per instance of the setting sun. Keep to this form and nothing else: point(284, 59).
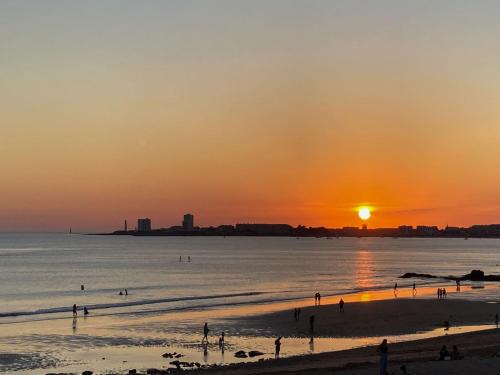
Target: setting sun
point(364, 213)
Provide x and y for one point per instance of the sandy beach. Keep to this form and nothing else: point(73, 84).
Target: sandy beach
point(376, 318)
point(480, 349)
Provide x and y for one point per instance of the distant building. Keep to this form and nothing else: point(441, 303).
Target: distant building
point(423, 230)
point(405, 230)
point(264, 229)
point(144, 225)
point(188, 222)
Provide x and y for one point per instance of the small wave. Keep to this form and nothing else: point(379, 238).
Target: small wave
point(127, 304)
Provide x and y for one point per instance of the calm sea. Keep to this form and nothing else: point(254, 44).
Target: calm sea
point(41, 274)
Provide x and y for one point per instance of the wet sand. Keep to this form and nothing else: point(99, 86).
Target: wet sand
point(481, 351)
point(376, 318)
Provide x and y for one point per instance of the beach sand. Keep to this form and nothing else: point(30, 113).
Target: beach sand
point(481, 351)
point(379, 318)
point(375, 318)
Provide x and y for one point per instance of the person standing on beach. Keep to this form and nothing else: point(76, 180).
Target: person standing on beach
point(341, 305)
point(205, 333)
point(414, 291)
point(443, 292)
point(382, 351)
point(497, 320)
point(395, 289)
point(277, 345)
point(319, 299)
point(298, 314)
point(311, 324)
point(75, 312)
point(439, 293)
point(458, 285)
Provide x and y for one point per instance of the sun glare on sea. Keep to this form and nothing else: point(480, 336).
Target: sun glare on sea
point(364, 213)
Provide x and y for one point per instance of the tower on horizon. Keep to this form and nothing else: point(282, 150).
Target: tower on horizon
point(188, 222)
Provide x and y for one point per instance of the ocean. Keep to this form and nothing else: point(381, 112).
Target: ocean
point(42, 273)
point(41, 277)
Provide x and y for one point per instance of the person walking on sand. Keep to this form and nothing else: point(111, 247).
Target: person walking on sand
point(75, 312)
point(395, 289)
point(316, 299)
point(414, 291)
point(382, 351)
point(277, 346)
point(341, 305)
point(497, 320)
point(205, 333)
point(319, 299)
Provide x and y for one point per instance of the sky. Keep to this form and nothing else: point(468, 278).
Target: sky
point(248, 111)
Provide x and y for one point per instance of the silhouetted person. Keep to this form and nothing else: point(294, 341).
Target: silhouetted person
point(455, 354)
point(121, 293)
point(316, 299)
point(446, 325)
point(444, 354)
point(414, 291)
point(382, 351)
point(341, 305)
point(439, 293)
point(319, 299)
point(82, 287)
point(458, 285)
point(277, 345)
point(85, 311)
point(311, 324)
point(497, 320)
point(126, 292)
point(395, 289)
point(75, 312)
point(443, 292)
point(298, 313)
point(189, 258)
point(295, 313)
point(180, 258)
point(205, 333)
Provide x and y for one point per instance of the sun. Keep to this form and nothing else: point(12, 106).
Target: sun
point(364, 213)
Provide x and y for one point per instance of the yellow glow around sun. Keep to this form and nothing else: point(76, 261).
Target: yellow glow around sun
point(364, 213)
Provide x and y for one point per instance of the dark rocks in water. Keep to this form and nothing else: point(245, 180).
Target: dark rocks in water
point(172, 355)
point(132, 372)
point(88, 372)
point(410, 275)
point(474, 275)
point(254, 353)
point(241, 354)
point(155, 371)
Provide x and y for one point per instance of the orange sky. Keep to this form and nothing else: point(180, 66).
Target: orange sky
point(250, 112)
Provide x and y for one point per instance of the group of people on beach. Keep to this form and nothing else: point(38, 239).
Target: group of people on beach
point(441, 293)
point(317, 299)
point(75, 311)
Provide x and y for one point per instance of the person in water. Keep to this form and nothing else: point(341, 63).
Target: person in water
point(205, 333)
point(126, 292)
point(383, 351)
point(395, 289)
point(277, 345)
point(85, 311)
point(341, 305)
point(414, 291)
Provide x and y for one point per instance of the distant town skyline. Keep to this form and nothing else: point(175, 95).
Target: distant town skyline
point(257, 111)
